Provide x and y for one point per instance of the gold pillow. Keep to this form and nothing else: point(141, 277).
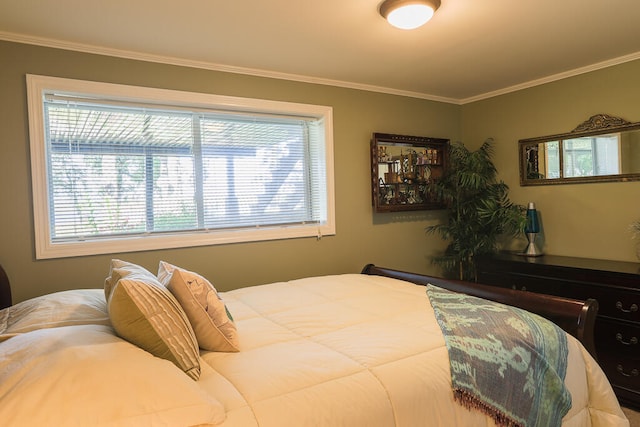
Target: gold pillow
point(209, 317)
point(144, 312)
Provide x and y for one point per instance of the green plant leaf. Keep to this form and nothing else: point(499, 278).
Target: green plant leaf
point(479, 211)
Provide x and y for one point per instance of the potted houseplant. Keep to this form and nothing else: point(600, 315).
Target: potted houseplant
point(635, 231)
point(478, 208)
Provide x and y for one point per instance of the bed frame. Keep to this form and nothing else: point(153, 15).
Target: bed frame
point(574, 316)
point(5, 290)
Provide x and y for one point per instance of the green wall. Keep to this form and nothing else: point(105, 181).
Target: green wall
point(581, 220)
point(584, 220)
point(394, 240)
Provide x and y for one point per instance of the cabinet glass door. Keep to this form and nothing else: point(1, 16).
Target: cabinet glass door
point(402, 169)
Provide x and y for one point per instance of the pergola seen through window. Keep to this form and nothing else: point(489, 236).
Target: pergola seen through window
point(122, 169)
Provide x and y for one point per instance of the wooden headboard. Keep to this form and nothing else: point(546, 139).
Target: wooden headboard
point(5, 290)
point(574, 316)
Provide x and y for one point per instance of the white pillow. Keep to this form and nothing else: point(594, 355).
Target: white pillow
point(144, 312)
point(86, 376)
point(209, 317)
point(65, 308)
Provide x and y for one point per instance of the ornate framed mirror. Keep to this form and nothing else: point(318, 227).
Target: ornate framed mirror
point(603, 148)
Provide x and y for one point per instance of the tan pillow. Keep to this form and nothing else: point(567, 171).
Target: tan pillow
point(120, 269)
point(211, 322)
point(144, 312)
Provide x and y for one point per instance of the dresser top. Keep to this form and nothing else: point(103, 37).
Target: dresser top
point(624, 267)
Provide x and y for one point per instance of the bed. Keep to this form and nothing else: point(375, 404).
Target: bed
point(361, 349)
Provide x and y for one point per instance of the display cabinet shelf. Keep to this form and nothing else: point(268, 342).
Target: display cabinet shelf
point(402, 169)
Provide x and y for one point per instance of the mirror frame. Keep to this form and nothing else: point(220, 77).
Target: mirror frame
point(599, 124)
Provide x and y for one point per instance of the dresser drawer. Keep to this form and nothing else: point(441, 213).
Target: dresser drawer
point(623, 371)
point(621, 338)
point(613, 302)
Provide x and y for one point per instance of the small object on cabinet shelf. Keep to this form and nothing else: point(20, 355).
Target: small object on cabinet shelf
point(390, 177)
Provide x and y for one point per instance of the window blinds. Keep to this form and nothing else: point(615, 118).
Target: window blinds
point(127, 169)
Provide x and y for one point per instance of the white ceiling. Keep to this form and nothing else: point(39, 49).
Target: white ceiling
point(471, 49)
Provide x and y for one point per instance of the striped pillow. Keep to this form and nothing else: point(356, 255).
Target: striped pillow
point(207, 313)
point(144, 312)
point(120, 269)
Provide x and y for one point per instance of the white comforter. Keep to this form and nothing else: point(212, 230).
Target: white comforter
point(356, 350)
point(348, 350)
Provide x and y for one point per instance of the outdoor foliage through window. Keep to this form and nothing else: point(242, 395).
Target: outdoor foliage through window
point(117, 169)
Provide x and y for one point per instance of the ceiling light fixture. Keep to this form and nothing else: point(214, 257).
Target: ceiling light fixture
point(408, 14)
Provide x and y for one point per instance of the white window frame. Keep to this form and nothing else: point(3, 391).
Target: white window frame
point(38, 86)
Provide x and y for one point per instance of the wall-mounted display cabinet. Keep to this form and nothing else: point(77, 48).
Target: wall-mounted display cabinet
point(402, 167)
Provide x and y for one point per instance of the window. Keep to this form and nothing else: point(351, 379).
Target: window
point(118, 168)
point(592, 156)
point(584, 156)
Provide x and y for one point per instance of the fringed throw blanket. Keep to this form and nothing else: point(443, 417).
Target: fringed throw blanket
point(505, 361)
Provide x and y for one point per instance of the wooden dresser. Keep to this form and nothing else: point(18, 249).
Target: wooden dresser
point(614, 284)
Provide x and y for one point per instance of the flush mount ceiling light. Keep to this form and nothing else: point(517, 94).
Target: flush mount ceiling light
point(408, 14)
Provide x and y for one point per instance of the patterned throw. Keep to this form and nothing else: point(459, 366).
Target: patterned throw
point(505, 362)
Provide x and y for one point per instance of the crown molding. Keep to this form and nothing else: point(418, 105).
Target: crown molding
point(139, 56)
point(161, 59)
point(554, 78)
